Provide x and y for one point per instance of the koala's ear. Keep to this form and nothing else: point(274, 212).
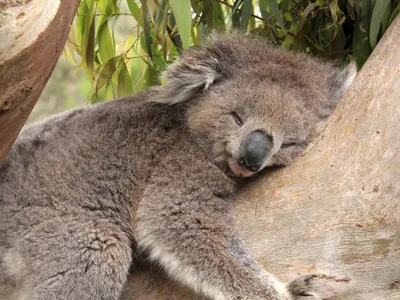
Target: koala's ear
point(194, 72)
point(341, 80)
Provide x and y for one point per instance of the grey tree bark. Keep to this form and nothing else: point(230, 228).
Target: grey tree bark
point(336, 210)
point(32, 36)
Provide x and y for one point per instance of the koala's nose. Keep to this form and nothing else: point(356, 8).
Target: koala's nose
point(254, 150)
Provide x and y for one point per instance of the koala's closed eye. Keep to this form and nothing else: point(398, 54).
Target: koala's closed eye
point(287, 145)
point(237, 118)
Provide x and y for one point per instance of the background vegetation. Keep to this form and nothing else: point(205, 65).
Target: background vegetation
point(120, 46)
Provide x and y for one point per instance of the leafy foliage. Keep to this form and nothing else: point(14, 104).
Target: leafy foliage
point(158, 30)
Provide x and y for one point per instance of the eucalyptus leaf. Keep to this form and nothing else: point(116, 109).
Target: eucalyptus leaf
point(105, 41)
point(183, 16)
point(124, 82)
point(376, 19)
point(394, 14)
point(117, 41)
point(245, 15)
point(273, 4)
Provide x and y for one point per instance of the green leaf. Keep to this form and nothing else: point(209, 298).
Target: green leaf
point(135, 10)
point(71, 48)
point(89, 57)
point(385, 18)
point(183, 16)
point(218, 16)
point(115, 6)
point(357, 6)
point(159, 18)
point(246, 11)
point(360, 44)
point(365, 8)
point(236, 6)
point(105, 7)
point(88, 39)
point(264, 13)
point(339, 42)
point(306, 12)
point(273, 5)
point(175, 38)
point(393, 15)
point(80, 20)
point(105, 41)
point(206, 8)
point(106, 73)
point(163, 30)
point(147, 36)
point(108, 91)
point(124, 82)
point(376, 19)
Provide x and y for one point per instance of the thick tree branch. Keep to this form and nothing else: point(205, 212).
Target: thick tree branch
point(32, 35)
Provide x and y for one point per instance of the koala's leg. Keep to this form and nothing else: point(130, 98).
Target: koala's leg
point(70, 259)
point(184, 223)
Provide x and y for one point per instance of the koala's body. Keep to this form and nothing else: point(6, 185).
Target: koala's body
point(156, 173)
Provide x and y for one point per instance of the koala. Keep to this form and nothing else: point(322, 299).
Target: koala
point(157, 173)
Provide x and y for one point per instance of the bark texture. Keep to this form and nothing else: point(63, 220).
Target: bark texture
point(32, 35)
point(337, 209)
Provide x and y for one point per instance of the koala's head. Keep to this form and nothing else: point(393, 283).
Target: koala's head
point(251, 105)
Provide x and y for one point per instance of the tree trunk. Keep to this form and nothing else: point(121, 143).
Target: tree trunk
point(32, 36)
point(336, 210)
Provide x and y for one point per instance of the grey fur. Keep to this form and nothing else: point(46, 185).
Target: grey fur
point(81, 189)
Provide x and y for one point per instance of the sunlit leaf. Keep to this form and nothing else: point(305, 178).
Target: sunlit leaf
point(108, 91)
point(105, 7)
point(175, 38)
point(81, 20)
point(153, 32)
point(105, 41)
point(183, 16)
point(134, 9)
point(124, 82)
point(159, 18)
point(88, 39)
point(71, 47)
point(106, 73)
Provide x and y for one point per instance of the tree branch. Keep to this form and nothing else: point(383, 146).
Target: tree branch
point(32, 35)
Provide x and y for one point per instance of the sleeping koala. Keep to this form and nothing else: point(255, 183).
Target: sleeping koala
point(156, 173)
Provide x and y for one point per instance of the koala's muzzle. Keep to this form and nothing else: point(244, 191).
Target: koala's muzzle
point(254, 150)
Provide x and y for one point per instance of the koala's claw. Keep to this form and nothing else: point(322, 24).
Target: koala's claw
point(316, 286)
point(301, 286)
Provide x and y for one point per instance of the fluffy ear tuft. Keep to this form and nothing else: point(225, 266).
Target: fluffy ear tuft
point(195, 71)
point(342, 79)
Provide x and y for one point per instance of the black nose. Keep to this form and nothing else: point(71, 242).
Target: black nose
point(254, 150)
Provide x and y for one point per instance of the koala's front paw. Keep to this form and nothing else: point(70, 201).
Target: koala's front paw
point(316, 286)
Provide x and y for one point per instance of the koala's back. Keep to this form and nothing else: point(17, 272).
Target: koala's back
point(86, 163)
